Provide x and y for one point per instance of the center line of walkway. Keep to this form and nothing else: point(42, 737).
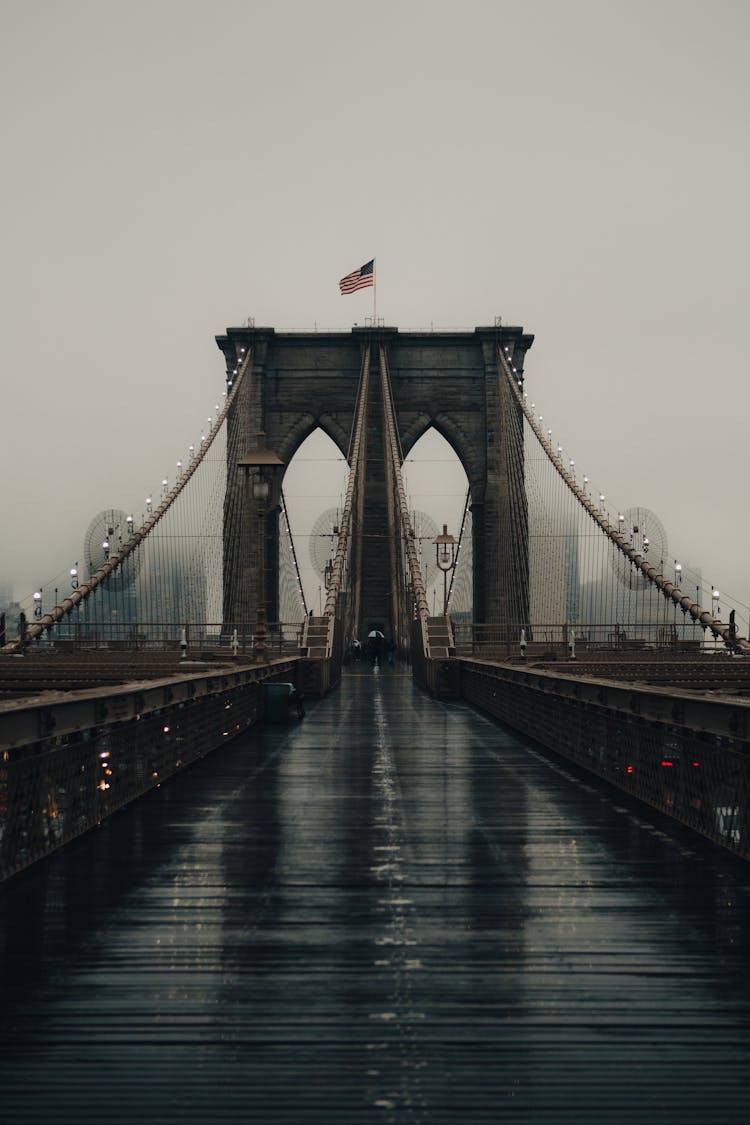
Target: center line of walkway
point(398, 933)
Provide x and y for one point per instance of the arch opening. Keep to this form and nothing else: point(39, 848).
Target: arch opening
point(437, 488)
point(314, 487)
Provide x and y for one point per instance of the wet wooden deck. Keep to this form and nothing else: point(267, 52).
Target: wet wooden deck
point(394, 911)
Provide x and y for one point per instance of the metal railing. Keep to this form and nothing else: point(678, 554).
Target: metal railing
point(512, 640)
point(152, 636)
point(687, 756)
point(69, 761)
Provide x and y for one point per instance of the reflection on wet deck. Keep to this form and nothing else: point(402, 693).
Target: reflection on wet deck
point(393, 911)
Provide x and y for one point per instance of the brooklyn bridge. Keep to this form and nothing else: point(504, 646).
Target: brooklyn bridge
point(465, 841)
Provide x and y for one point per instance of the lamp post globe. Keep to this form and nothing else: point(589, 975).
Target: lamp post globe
point(445, 557)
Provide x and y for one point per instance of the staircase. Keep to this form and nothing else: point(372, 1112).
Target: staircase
point(440, 642)
point(315, 641)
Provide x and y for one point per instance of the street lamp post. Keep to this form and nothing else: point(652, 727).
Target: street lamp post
point(445, 557)
point(263, 468)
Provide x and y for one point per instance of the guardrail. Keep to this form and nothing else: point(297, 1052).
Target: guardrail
point(560, 640)
point(684, 753)
point(69, 761)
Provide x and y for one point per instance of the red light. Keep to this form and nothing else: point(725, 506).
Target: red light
point(697, 765)
point(667, 763)
point(630, 769)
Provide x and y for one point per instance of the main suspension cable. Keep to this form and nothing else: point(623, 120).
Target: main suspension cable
point(669, 589)
point(87, 588)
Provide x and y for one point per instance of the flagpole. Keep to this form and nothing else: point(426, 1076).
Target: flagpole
point(374, 294)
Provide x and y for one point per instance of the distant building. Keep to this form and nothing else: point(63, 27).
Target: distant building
point(12, 611)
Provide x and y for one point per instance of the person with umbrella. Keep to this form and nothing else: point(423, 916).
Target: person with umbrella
point(375, 640)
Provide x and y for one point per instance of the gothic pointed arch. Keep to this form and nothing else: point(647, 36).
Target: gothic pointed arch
point(314, 482)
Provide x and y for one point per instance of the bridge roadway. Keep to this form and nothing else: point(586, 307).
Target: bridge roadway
point(393, 911)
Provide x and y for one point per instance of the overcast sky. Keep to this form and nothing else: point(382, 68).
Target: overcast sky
point(170, 168)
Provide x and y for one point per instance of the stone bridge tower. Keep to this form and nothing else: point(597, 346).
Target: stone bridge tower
point(445, 380)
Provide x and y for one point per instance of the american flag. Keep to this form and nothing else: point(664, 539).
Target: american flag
point(360, 279)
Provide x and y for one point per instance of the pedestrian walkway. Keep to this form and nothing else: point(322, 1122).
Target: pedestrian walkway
point(391, 911)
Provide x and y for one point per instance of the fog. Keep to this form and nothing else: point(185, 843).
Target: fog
point(172, 168)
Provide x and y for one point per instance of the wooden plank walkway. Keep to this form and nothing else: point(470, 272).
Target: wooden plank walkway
point(394, 911)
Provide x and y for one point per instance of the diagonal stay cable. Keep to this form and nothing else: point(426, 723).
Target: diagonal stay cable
point(418, 588)
point(355, 468)
point(285, 515)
